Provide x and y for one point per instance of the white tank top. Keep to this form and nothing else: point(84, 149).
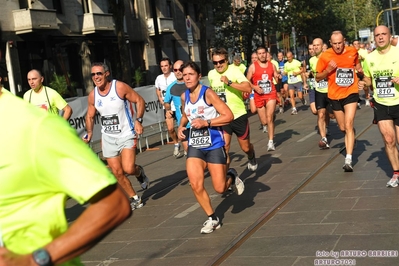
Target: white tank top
point(116, 113)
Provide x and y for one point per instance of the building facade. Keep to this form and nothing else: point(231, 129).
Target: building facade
point(63, 37)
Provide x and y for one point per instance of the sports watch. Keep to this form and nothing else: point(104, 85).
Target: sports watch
point(42, 257)
point(209, 122)
point(139, 119)
point(229, 82)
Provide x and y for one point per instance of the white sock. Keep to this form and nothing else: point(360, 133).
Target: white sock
point(271, 141)
point(349, 156)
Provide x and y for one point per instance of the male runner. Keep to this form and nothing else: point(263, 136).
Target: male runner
point(173, 96)
point(113, 100)
point(294, 69)
point(161, 84)
point(261, 73)
point(338, 64)
point(382, 71)
point(321, 98)
point(231, 83)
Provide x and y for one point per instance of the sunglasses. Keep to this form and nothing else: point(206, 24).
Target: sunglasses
point(219, 62)
point(176, 69)
point(97, 73)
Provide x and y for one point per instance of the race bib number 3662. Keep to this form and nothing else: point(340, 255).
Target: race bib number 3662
point(200, 138)
point(344, 77)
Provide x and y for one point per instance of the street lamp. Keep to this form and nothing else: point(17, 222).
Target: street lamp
point(393, 25)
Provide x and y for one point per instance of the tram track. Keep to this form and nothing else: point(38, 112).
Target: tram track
point(263, 219)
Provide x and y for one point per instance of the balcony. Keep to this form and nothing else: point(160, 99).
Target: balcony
point(165, 25)
point(93, 23)
point(28, 20)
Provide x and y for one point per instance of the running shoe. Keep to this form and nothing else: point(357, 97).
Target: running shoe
point(176, 151)
point(367, 102)
point(135, 204)
point(323, 144)
point(260, 127)
point(270, 146)
point(359, 106)
point(304, 102)
point(281, 110)
point(210, 226)
point(252, 164)
point(265, 129)
point(294, 112)
point(143, 179)
point(394, 182)
point(348, 165)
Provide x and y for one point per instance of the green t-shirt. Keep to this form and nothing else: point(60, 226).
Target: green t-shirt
point(47, 99)
point(233, 97)
point(322, 85)
point(42, 160)
point(382, 68)
point(290, 68)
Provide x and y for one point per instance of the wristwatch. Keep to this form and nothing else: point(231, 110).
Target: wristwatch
point(229, 82)
point(139, 119)
point(209, 122)
point(42, 257)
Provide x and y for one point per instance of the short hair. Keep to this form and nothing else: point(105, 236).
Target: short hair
point(261, 47)
point(192, 65)
point(237, 57)
point(101, 64)
point(166, 59)
point(336, 32)
point(220, 51)
point(37, 70)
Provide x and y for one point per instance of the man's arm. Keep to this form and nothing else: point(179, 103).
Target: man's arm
point(67, 112)
point(133, 97)
point(91, 112)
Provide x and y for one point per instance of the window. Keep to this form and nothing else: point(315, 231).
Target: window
point(168, 13)
point(57, 6)
point(85, 6)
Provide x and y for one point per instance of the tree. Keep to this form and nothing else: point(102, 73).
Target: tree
point(117, 8)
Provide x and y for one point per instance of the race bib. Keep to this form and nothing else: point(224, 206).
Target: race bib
point(385, 87)
point(110, 124)
point(200, 138)
point(265, 85)
point(344, 77)
point(222, 96)
point(293, 79)
point(322, 84)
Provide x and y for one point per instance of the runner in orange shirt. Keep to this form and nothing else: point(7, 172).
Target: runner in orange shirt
point(338, 64)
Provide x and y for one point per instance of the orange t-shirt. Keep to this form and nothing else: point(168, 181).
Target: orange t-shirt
point(343, 80)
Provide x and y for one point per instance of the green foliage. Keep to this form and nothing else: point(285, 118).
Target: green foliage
point(60, 84)
point(139, 76)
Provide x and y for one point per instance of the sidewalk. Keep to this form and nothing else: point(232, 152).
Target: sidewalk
point(335, 211)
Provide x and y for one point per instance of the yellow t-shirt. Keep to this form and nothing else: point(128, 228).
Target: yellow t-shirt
point(42, 160)
point(381, 68)
point(292, 67)
point(322, 85)
point(47, 99)
point(233, 97)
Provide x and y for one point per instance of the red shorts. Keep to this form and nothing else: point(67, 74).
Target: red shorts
point(262, 99)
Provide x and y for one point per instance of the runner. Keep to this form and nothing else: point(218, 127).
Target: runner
point(321, 99)
point(206, 114)
point(161, 84)
point(113, 100)
point(282, 83)
point(294, 69)
point(382, 71)
point(338, 65)
point(231, 83)
point(173, 96)
point(261, 73)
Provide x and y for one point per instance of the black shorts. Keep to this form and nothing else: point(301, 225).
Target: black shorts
point(321, 100)
point(338, 105)
point(217, 156)
point(383, 112)
point(239, 126)
point(312, 94)
point(173, 114)
point(279, 86)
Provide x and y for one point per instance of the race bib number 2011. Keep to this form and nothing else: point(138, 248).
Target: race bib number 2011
point(344, 77)
point(110, 124)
